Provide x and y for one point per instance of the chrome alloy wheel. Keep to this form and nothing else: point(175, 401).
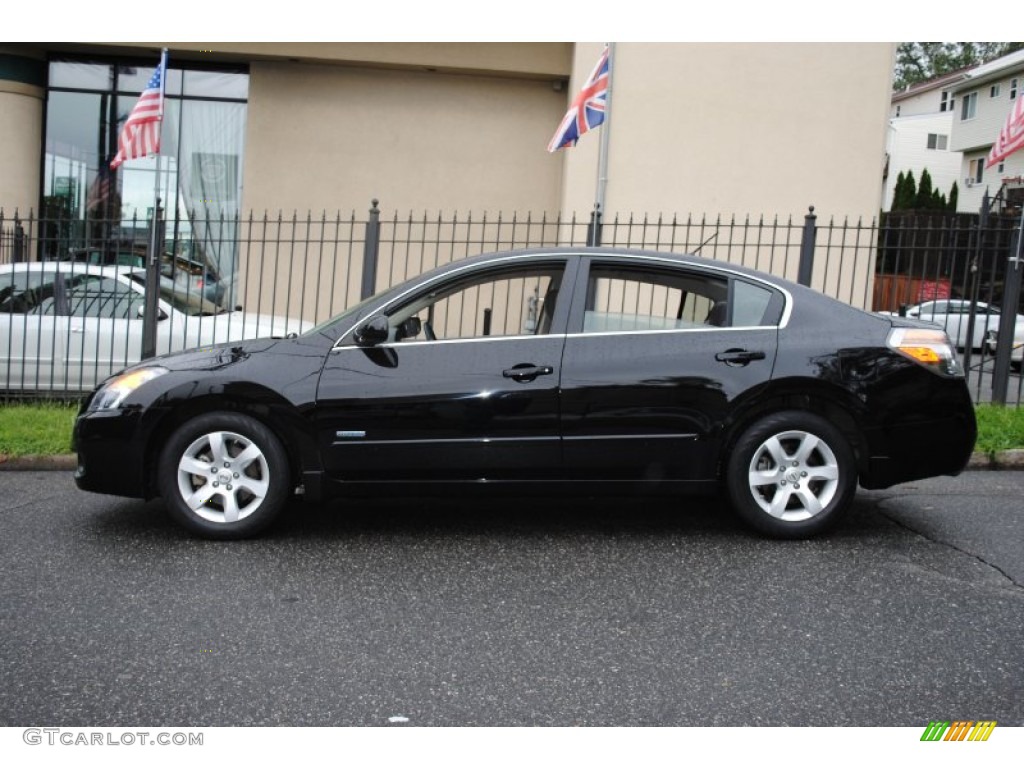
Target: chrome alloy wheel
point(223, 477)
point(793, 475)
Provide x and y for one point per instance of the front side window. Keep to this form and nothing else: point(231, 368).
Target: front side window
point(506, 302)
point(102, 297)
point(937, 140)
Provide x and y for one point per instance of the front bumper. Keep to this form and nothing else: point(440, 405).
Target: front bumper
point(111, 452)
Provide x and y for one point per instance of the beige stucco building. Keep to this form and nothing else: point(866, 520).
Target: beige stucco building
point(444, 129)
point(718, 128)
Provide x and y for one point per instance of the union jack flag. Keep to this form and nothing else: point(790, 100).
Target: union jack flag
point(1011, 138)
point(588, 108)
point(141, 133)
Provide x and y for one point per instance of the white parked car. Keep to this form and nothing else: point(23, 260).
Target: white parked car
point(1016, 352)
point(67, 326)
point(953, 314)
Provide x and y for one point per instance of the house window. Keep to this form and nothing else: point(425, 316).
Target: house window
point(1013, 88)
point(977, 170)
point(946, 102)
point(897, 110)
point(993, 92)
point(969, 106)
point(937, 140)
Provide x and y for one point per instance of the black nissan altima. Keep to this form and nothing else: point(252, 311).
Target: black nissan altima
point(588, 369)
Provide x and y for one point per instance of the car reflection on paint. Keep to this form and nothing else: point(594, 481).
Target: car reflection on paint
point(584, 369)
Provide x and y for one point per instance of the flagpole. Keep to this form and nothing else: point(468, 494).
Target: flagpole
point(149, 319)
point(602, 154)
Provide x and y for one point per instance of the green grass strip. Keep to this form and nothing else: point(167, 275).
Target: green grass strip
point(36, 429)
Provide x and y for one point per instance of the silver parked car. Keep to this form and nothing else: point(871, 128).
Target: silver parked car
point(67, 326)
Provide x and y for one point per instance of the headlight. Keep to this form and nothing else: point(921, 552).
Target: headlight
point(117, 389)
point(931, 349)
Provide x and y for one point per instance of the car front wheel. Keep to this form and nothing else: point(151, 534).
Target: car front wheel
point(791, 475)
point(224, 475)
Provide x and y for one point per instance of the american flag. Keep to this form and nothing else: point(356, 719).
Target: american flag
point(141, 133)
point(588, 108)
point(1011, 138)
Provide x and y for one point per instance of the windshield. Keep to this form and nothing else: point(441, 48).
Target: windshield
point(183, 297)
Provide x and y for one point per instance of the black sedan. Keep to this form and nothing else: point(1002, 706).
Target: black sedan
point(586, 369)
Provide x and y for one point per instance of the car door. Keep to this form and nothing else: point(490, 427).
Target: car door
point(465, 385)
point(656, 356)
point(32, 330)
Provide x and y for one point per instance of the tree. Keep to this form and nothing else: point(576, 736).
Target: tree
point(897, 192)
point(908, 199)
point(924, 192)
point(954, 197)
point(917, 62)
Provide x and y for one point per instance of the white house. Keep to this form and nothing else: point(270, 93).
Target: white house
point(920, 123)
point(983, 101)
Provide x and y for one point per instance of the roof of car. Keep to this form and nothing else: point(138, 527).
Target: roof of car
point(69, 266)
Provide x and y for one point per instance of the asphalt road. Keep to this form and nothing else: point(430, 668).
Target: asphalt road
point(520, 611)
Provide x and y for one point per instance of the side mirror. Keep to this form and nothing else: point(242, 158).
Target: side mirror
point(372, 333)
point(903, 310)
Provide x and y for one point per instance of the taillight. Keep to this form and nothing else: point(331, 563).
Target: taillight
point(930, 348)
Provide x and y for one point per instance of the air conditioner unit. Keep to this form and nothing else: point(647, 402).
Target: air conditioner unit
point(969, 182)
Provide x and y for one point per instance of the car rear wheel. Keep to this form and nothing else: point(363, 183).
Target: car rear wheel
point(791, 475)
point(224, 475)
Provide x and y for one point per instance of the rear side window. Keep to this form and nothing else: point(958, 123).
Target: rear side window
point(623, 299)
point(28, 293)
point(640, 299)
point(755, 305)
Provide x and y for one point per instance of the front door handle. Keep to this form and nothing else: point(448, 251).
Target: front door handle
point(739, 356)
point(527, 372)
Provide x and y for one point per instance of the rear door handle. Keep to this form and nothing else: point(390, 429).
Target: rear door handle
point(527, 372)
point(739, 356)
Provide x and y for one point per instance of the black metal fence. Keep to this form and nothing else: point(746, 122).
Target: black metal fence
point(303, 269)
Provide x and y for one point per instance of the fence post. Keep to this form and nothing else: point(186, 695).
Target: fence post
point(594, 227)
point(806, 267)
point(371, 250)
point(1008, 318)
point(151, 306)
point(972, 317)
point(19, 241)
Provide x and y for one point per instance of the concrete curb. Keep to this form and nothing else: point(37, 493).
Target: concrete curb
point(61, 462)
point(1013, 459)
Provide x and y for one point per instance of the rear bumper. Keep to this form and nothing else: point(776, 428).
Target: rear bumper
point(923, 442)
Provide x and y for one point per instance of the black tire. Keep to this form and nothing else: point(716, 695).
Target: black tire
point(791, 475)
point(251, 484)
